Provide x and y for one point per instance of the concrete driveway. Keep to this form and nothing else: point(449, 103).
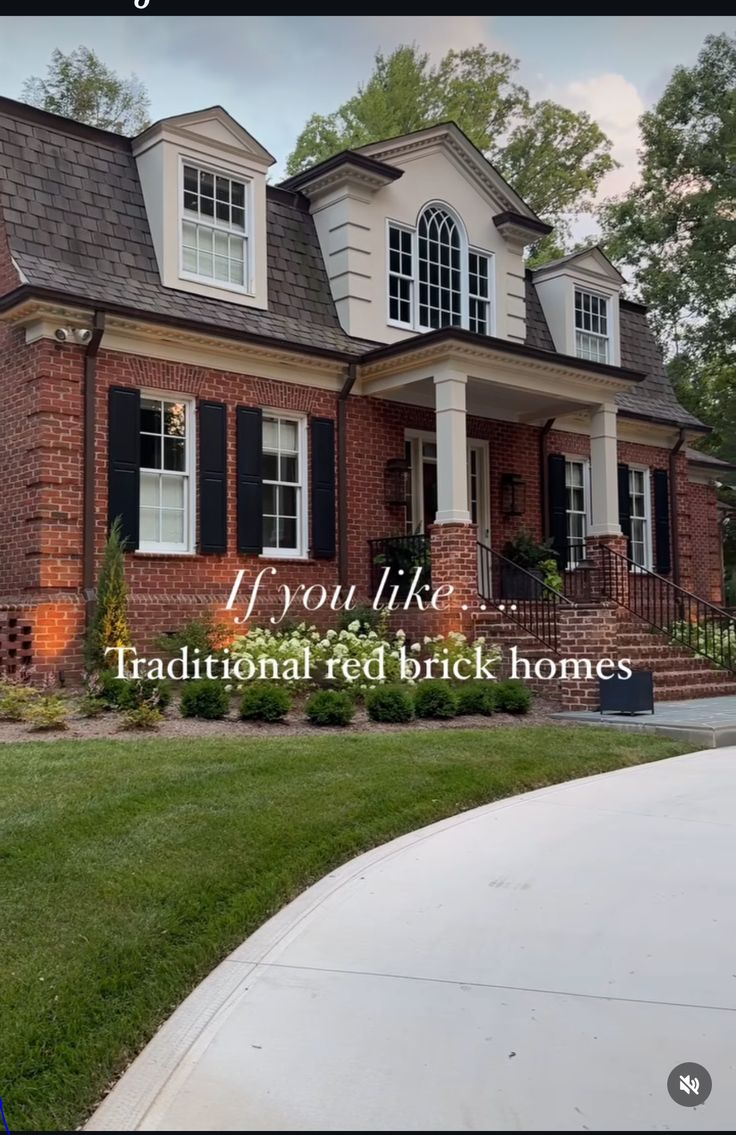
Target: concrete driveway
point(540, 963)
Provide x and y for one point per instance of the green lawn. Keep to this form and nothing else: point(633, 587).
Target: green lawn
point(128, 869)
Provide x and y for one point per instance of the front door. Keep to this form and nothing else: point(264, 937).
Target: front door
point(422, 453)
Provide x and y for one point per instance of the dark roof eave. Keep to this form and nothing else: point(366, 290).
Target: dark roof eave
point(661, 419)
point(345, 157)
point(30, 291)
point(447, 334)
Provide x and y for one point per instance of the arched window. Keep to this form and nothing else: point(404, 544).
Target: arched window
point(434, 278)
point(440, 256)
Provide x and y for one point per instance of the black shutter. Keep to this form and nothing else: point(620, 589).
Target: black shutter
point(557, 496)
point(124, 461)
point(249, 423)
point(212, 478)
point(662, 556)
point(624, 505)
point(323, 488)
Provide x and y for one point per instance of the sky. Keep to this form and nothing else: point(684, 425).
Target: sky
point(272, 72)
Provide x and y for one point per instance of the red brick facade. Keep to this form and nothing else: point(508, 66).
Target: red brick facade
point(41, 535)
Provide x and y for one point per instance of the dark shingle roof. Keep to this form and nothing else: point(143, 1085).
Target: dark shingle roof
point(73, 208)
point(654, 397)
point(76, 221)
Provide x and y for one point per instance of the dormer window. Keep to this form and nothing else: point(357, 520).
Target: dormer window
point(591, 326)
point(214, 228)
point(435, 279)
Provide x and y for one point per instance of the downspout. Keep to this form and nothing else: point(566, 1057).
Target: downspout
point(342, 466)
point(674, 518)
point(90, 424)
point(543, 481)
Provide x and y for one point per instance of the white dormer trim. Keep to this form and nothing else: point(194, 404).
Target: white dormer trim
point(211, 140)
point(556, 283)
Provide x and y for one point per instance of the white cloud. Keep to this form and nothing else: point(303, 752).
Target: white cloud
point(616, 105)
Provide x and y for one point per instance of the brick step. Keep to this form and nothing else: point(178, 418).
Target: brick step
point(683, 693)
point(651, 659)
point(693, 679)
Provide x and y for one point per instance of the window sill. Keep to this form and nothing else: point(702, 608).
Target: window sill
point(143, 553)
point(291, 558)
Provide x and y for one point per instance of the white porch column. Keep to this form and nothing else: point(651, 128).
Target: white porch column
point(604, 472)
point(452, 471)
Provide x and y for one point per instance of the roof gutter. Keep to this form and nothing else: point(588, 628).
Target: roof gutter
point(674, 518)
point(90, 423)
point(342, 472)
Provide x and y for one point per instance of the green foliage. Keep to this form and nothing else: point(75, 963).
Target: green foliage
point(80, 86)
point(330, 707)
point(435, 698)
point(205, 698)
point(109, 628)
point(204, 634)
point(15, 701)
point(526, 551)
point(367, 617)
point(554, 157)
point(145, 717)
point(91, 706)
point(134, 692)
point(390, 704)
point(265, 701)
point(711, 639)
point(551, 574)
point(46, 712)
point(475, 697)
point(512, 696)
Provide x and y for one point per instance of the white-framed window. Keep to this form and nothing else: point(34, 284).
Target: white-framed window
point(591, 326)
point(284, 484)
point(215, 221)
point(435, 279)
point(167, 473)
point(577, 490)
point(640, 508)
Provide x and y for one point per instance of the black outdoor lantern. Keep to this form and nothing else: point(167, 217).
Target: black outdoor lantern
point(397, 481)
point(513, 494)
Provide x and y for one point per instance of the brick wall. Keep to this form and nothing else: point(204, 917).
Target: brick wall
point(703, 524)
point(41, 503)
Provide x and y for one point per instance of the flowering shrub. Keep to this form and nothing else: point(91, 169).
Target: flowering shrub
point(713, 639)
point(371, 657)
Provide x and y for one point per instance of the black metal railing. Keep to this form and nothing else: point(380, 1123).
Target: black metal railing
point(395, 561)
point(522, 595)
point(689, 621)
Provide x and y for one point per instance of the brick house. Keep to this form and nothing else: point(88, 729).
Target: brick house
point(350, 370)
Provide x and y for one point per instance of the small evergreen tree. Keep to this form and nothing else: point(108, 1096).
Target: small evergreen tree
point(110, 624)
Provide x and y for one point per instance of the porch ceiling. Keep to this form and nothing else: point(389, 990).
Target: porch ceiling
point(495, 400)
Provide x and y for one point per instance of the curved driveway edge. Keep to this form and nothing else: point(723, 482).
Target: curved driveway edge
point(542, 962)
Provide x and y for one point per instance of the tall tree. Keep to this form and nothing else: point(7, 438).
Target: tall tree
point(80, 86)
point(554, 157)
point(676, 230)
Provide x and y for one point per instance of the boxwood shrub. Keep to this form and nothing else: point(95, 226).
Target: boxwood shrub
point(265, 701)
point(512, 696)
point(330, 707)
point(476, 697)
point(390, 703)
point(435, 698)
point(205, 698)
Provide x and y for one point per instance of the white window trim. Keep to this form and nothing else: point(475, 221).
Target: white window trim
point(607, 338)
point(648, 564)
point(465, 249)
point(248, 268)
point(585, 462)
point(302, 550)
point(188, 547)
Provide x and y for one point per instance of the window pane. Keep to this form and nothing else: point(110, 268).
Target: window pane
point(150, 415)
point(288, 436)
point(287, 533)
point(172, 492)
point(174, 454)
point(287, 501)
point(150, 525)
point(149, 489)
point(238, 193)
point(270, 467)
point(289, 469)
point(175, 418)
point(270, 434)
point(269, 499)
point(150, 452)
point(172, 526)
point(269, 532)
